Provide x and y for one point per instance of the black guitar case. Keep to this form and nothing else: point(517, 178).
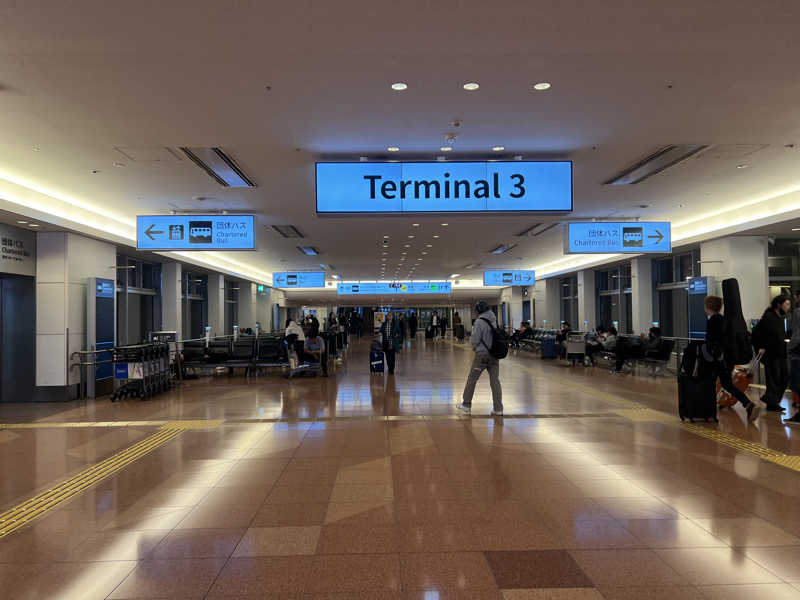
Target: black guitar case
point(736, 345)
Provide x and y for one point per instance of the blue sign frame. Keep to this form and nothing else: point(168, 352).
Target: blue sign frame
point(444, 187)
point(298, 279)
point(195, 232)
point(625, 237)
point(399, 287)
point(507, 277)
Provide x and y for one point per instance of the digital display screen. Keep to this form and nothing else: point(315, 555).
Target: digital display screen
point(195, 232)
point(505, 277)
point(628, 237)
point(430, 287)
point(299, 279)
point(419, 187)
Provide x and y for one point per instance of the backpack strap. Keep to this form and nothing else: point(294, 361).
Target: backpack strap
point(491, 328)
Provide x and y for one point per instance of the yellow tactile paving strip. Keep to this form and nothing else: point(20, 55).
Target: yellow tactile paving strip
point(27, 511)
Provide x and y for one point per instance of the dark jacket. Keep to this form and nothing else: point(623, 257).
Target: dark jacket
point(769, 334)
point(391, 338)
point(715, 337)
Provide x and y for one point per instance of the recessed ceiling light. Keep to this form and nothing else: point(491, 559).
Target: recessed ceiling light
point(424, 253)
point(793, 228)
point(471, 86)
point(386, 237)
point(429, 245)
point(363, 158)
point(445, 224)
point(393, 149)
point(399, 86)
point(36, 149)
point(404, 253)
point(541, 86)
point(454, 275)
point(407, 246)
point(119, 164)
point(33, 225)
point(446, 148)
point(22, 222)
point(411, 236)
point(742, 166)
point(415, 224)
point(384, 253)
point(436, 236)
point(499, 148)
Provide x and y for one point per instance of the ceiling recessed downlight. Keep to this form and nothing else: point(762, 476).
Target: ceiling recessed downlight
point(446, 148)
point(415, 224)
point(445, 224)
point(22, 222)
point(742, 166)
point(541, 86)
point(393, 149)
point(33, 225)
point(471, 86)
point(399, 86)
point(498, 148)
point(436, 236)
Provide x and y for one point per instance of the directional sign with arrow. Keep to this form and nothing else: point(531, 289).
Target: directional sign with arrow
point(195, 232)
point(627, 237)
point(507, 277)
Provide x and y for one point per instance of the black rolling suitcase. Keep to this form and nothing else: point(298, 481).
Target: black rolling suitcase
point(429, 332)
point(376, 361)
point(697, 395)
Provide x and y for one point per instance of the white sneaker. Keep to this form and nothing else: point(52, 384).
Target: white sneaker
point(497, 413)
point(741, 412)
point(463, 408)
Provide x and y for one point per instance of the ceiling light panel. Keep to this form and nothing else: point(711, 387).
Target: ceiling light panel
point(219, 166)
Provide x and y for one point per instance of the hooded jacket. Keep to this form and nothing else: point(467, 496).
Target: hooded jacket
point(771, 334)
point(481, 337)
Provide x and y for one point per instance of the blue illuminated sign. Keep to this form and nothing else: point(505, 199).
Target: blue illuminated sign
point(299, 279)
point(195, 232)
point(429, 287)
point(105, 288)
point(506, 277)
point(418, 187)
point(613, 238)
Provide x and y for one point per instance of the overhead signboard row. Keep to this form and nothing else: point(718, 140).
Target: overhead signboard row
point(195, 232)
point(419, 187)
point(625, 237)
point(299, 279)
point(417, 287)
point(506, 277)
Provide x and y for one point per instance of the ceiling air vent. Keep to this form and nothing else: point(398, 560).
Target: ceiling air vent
point(288, 231)
point(528, 231)
point(666, 157)
point(546, 229)
point(502, 248)
point(219, 166)
point(308, 250)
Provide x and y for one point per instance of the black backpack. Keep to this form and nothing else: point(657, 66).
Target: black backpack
point(499, 347)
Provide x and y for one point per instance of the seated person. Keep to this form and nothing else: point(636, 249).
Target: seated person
point(594, 343)
point(632, 348)
point(561, 338)
point(314, 350)
point(653, 343)
point(523, 332)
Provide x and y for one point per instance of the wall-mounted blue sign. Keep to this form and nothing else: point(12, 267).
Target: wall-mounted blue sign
point(419, 187)
point(506, 277)
point(195, 232)
point(615, 238)
point(299, 279)
point(400, 287)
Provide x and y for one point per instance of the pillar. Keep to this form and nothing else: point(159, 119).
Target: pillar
point(547, 294)
point(216, 303)
point(247, 305)
point(641, 294)
point(742, 257)
point(587, 301)
point(171, 298)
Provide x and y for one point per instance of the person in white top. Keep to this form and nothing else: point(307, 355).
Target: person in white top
point(293, 328)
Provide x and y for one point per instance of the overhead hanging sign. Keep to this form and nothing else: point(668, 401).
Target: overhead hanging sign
point(506, 277)
point(419, 187)
point(299, 279)
point(618, 238)
point(417, 287)
point(195, 232)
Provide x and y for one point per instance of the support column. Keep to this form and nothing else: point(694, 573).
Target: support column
point(247, 305)
point(171, 298)
point(587, 301)
point(742, 257)
point(641, 294)
point(51, 309)
point(515, 306)
point(216, 303)
point(547, 294)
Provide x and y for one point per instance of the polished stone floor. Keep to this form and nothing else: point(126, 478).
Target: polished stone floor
point(372, 487)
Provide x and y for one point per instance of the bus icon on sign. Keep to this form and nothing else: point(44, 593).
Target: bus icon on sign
point(199, 232)
point(632, 237)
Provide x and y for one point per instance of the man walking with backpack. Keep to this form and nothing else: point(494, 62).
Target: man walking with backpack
point(488, 343)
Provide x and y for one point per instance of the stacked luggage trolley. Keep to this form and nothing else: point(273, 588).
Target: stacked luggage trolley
point(141, 370)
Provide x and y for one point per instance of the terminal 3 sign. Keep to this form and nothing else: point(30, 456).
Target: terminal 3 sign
point(628, 237)
point(195, 232)
point(419, 187)
point(398, 287)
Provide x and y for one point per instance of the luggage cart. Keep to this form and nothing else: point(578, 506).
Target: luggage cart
point(141, 371)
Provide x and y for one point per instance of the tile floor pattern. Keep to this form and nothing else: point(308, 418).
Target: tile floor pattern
point(601, 507)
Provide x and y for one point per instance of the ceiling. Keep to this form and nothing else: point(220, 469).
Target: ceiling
point(280, 85)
